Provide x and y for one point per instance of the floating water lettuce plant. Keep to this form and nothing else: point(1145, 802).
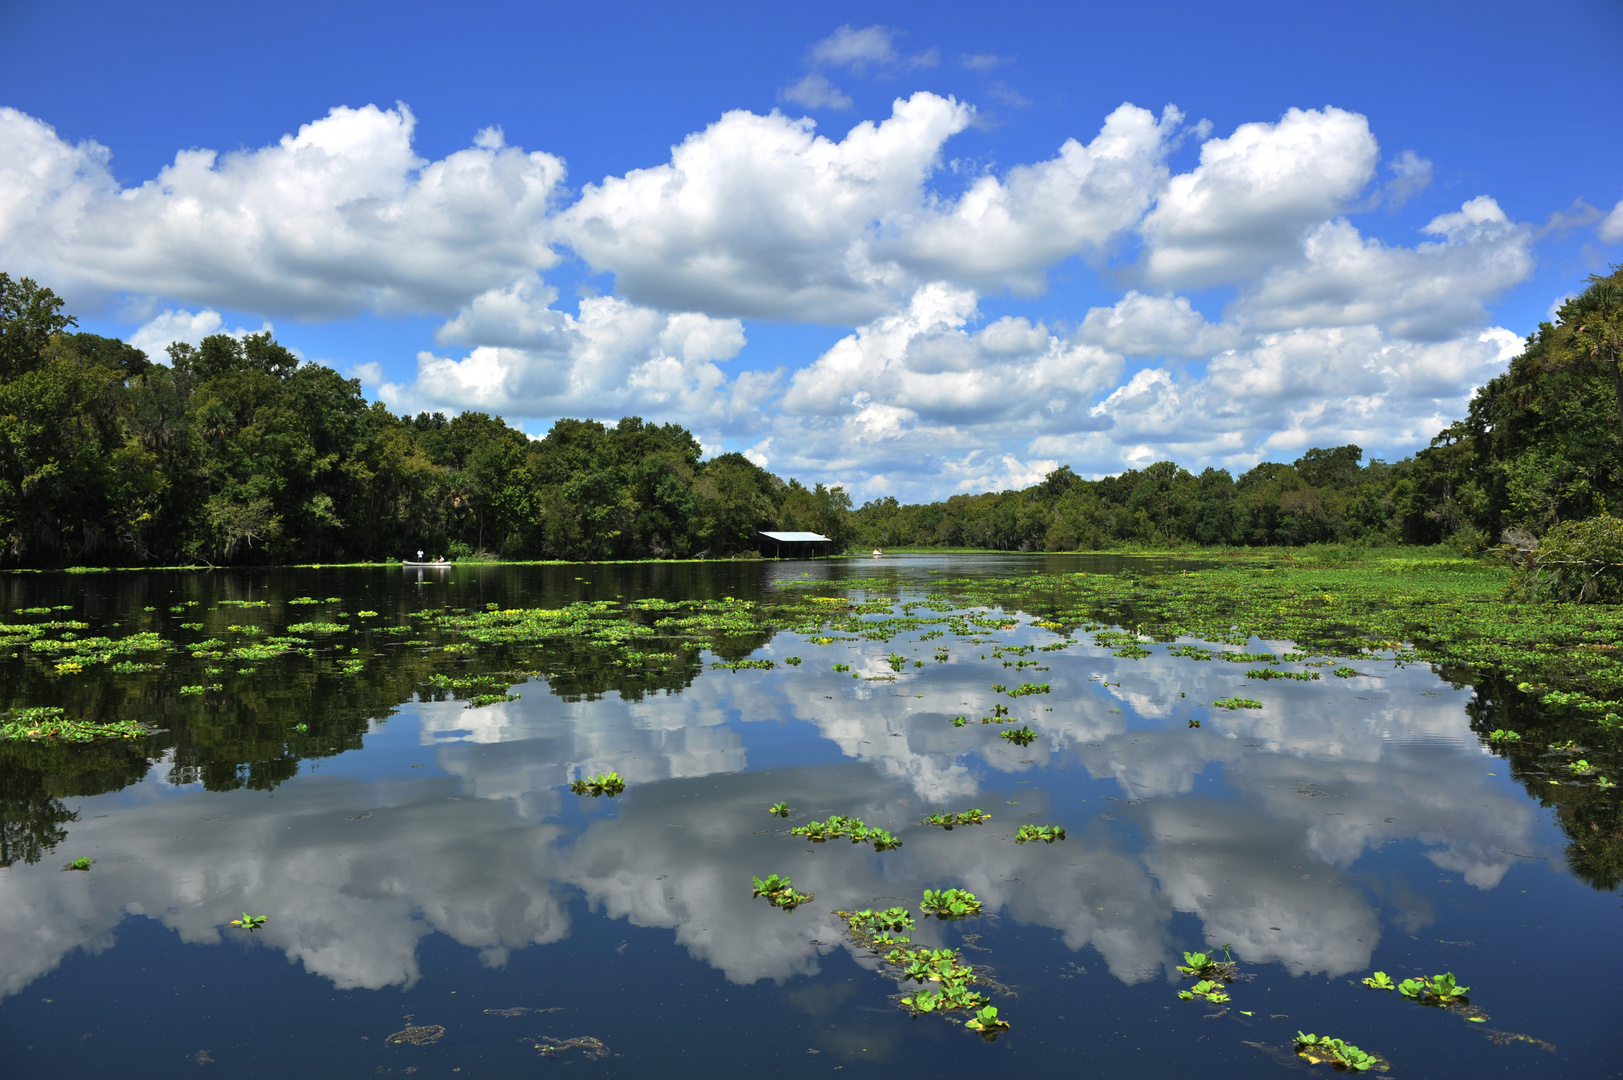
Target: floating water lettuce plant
point(780, 892)
point(1232, 703)
point(250, 922)
point(1020, 736)
point(973, 816)
point(1381, 981)
point(1504, 735)
point(782, 809)
point(959, 721)
point(1339, 1055)
point(1046, 833)
point(1205, 990)
point(602, 784)
point(83, 862)
point(950, 903)
point(837, 826)
point(1436, 990)
point(1207, 966)
point(987, 1023)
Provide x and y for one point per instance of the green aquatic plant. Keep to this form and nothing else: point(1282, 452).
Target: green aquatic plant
point(973, 816)
point(793, 661)
point(780, 892)
point(1503, 735)
point(891, 920)
point(83, 862)
point(842, 667)
point(1440, 991)
point(987, 1023)
point(881, 840)
point(1205, 990)
point(1046, 833)
point(959, 721)
point(782, 809)
point(1025, 689)
point(46, 723)
point(479, 701)
point(602, 784)
point(1020, 736)
point(1199, 965)
point(1345, 672)
point(1275, 673)
point(1580, 767)
point(1381, 981)
point(249, 922)
point(1233, 703)
point(1339, 1055)
point(950, 903)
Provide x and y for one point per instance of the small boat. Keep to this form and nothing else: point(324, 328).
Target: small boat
point(876, 551)
point(440, 563)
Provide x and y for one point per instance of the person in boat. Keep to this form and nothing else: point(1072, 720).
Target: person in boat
point(419, 554)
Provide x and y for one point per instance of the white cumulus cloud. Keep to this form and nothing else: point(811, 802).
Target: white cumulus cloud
point(1255, 195)
point(342, 216)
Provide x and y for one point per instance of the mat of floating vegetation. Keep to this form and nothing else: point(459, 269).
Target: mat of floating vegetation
point(413, 1035)
point(589, 1047)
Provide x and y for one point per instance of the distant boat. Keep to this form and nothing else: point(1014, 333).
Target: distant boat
point(876, 551)
point(440, 562)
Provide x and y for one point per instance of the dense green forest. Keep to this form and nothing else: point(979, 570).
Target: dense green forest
point(235, 452)
point(1540, 445)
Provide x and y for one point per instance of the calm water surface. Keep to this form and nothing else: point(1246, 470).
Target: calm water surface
point(423, 863)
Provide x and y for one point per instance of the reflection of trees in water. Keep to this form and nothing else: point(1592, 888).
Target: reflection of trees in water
point(1586, 814)
point(31, 826)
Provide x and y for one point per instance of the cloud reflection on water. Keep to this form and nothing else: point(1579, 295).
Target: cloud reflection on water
point(1249, 823)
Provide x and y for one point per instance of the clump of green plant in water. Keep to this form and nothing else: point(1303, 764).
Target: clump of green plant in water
point(987, 1023)
point(602, 784)
point(950, 903)
point(250, 922)
point(891, 920)
point(1381, 981)
point(1580, 767)
point(782, 809)
point(1275, 673)
point(1440, 991)
point(83, 862)
point(1046, 833)
point(842, 667)
point(959, 721)
point(837, 826)
point(479, 701)
point(1232, 703)
point(1029, 688)
point(1205, 990)
point(780, 892)
point(792, 661)
point(1504, 735)
point(1199, 965)
point(1339, 1055)
point(1020, 736)
point(47, 724)
point(1345, 672)
point(973, 816)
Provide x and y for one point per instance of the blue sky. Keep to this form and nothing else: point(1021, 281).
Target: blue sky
point(1336, 231)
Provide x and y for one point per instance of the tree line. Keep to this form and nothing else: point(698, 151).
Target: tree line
point(1539, 446)
point(236, 452)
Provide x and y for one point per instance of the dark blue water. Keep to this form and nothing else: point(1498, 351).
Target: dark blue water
point(438, 867)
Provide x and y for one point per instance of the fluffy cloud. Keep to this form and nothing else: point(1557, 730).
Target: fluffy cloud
point(1255, 195)
point(1611, 227)
point(919, 392)
point(1141, 325)
point(167, 327)
point(1424, 293)
point(1008, 231)
point(815, 92)
point(612, 359)
point(341, 217)
point(757, 215)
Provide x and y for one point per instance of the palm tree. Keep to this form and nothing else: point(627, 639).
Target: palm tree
point(1596, 315)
